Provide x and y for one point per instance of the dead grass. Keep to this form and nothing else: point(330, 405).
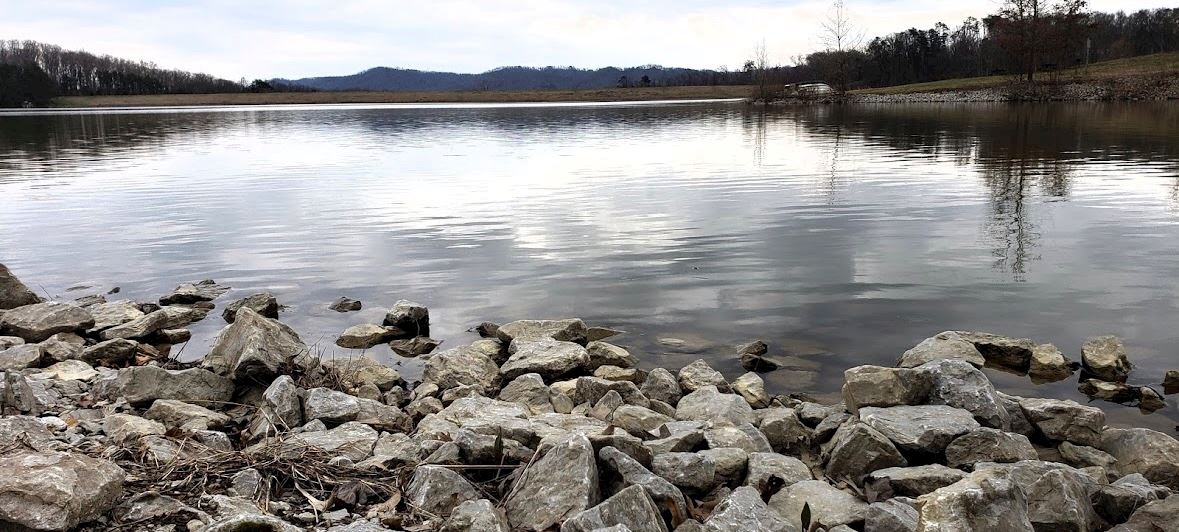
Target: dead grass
point(287, 98)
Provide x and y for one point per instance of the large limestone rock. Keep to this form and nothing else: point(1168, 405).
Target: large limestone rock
point(528, 390)
point(39, 321)
point(1014, 353)
point(156, 322)
point(699, 374)
point(1058, 496)
point(741, 435)
point(413, 318)
point(1065, 420)
point(16, 431)
point(110, 353)
point(604, 354)
point(1105, 358)
point(893, 515)
point(1154, 516)
point(784, 430)
point(439, 490)
point(366, 335)
point(1153, 454)
point(692, 471)
point(709, 404)
point(661, 385)
point(352, 440)
point(923, 430)
point(567, 330)
point(190, 417)
point(744, 511)
point(547, 357)
point(944, 345)
point(632, 508)
point(958, 384)
point(623, 470)
point(264, 303)
point(330, 406)
point(124, 428)
point(984, 500)
point(476, 516)
point(14, 293)
point(140, 385)
point(829, 506)
point(753, 389)
point(558, 486)
point(761, 466)
point(1048, 364)
point(463, 366)
point(878, 386)
point(857, 449)
point(989, 445)
point(284, 400)
point(21, 356)
point(258, 349)
point(114, 313)
point(910, 481)
point(56, 490)
point(357, 371)
point(1117, 501)
point(198, 292)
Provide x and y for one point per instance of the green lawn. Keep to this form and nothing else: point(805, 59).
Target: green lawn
point(1165, 63)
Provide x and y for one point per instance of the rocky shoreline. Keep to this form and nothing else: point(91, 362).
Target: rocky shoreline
point(1143, 88)
point(541, 425)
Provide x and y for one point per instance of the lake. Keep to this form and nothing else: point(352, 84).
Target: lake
point(839, 235)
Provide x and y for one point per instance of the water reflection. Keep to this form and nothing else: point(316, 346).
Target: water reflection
point(840, 235)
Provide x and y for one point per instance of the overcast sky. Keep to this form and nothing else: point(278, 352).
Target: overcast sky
point(297, 38)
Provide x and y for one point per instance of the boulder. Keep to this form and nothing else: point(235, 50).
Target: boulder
point(1154, 516)
point(250, 522)
point(284, 400)
point(1048, 364)
point(528, 390)
point(730, 463)
point(922, 430)
point(140, 385)
point(14, 293)
point(892, 515)
point(69, 370)
point(1058, 496)
point(10, 341)
point(989, 445)
point(414, 347)
point(153, 322)
point(753, 389)
point(123, 428)
point(18, 431)
point(264, 303)
point(615, 373)
point(357, 371)
point(567, 330)
point(761, 466)
point(878, 386)
point(958, 384)
point(1064, 420)
point(330, 406)
point(1153, 454)
point(692, 471)
point(189, 293)
point(39, 321)
point(661, 385)
point(699, 374)
point(1171, 382)
point(1014, 353)
point(352, 440)
point(631, 507)
point(21, 356)
point(547, 357)
point(784, 430)
point(463, 366)
point(709, 404)
point(910, 481)
point(636, 419)
point(476, 516)
point(413, 318)
point(623, 470)
point(1117, 501)
point(829, 506)
point(190, 417)
point(985, 500)
point(110, 353)
point(1083, 456)
point(259, 349)
point(677, 437)
point(1105, 358)
point(604, 354)
point(857, 449)
point(366, 335)
point(944, 345)
point(20, 395)
point(439, 490)
point(114, 313)
point(744, 511)
point(739, 435)
point(345, 305)
point(592, 389)
point(556, 487)
point(56, 490)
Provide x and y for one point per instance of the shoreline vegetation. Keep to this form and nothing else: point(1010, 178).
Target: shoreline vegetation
point(541, 425)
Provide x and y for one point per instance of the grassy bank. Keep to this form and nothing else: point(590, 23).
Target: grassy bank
point(1147, 65)
point(598, 95)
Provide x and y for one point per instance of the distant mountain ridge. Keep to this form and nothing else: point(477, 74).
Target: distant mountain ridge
point(515, 78)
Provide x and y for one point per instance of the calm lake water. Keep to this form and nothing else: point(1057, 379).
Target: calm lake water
point(841, 236)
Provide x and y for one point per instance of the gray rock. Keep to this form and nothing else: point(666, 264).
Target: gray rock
point(529, 390)
point(17, 431)
point(110, 353)
point(178, 414)
point(615, 373)
point(330, 406)
point(39, 321)
point(699, 374)
point(476, 516)
point(877, 386)
point(632, 508)
point(744, 511)
point(784, 430)
point(753, 389)
point(150, 505)
point(560, 485)
point(10, 341)
point(826, 428)
point(550, 358)
point(1153, 454)
point(762, 466)
point(463, 366)
point(1065, 420)
point(857, 449)
point(985, 500)
point(189, 293)
point(1014, 353)
point(21, 356)
point(730, 463)
point(366, 335)
point(592, 389)
point(1154, 516)
point(1105, 358)
point(989, 445)
point(264, 303)
point(636, 419)
point(925, 429)
point(829, 506)
point(126, 428)
point(910, 481)
point(693, 471)
point(22, 395)
point(283, 398)
point(151, 323)
point(944, 345)
point(567, 330)
point(604, 354)
point(1048, 364)
point(414, 347)
point(56, 490)
point(14, 293)
point(1083, 456)
point(1017, 421)
point(357, 371)
point(739, 435)
point(345, 305)
point(413, 318)
point(661, 385)
point(624, 470)
point(68, 370)
point(259, 349)
point(1171, 382)
point(678, 437)
point(891, 516)
point(708, 404)
point(813, 413)
point(1116, 502)
point(114, 313)
point(245, 483)
point(1058, 496)
point(140, 385)
point(62, 346)
point(958, 384)
point(439, 490)
point(352, 440)
point(250, 522)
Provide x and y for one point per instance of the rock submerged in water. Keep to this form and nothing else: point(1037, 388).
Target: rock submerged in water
point(1105, 358)
point(190, 293)
point(14, 293)
point(264, 303)
point(345, 305)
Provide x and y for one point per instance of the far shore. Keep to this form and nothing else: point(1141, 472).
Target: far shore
point(362, 97)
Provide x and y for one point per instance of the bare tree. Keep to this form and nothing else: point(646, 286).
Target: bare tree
point(761, 67)
point(840, 37)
